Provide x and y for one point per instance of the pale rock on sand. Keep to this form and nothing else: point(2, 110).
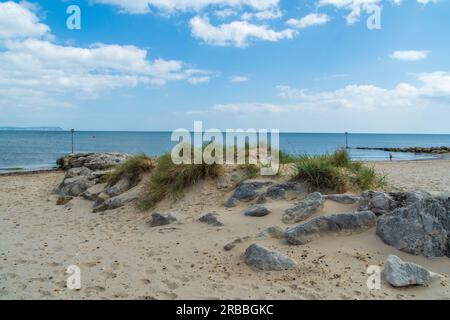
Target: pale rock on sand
point(402, 274)
point(265, 259)
point(305, 209)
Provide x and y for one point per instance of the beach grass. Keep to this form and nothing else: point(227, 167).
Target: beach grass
point(131, 170)
point(336, 172)
point(170, 180)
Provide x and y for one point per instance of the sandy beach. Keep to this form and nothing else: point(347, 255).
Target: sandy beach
point(122, 257)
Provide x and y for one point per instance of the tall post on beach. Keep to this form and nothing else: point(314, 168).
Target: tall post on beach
point(72, 131)
point(346, 140)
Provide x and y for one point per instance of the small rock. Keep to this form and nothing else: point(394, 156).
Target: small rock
point(211, 219)
point(120, 187)
point(271, 232)
point(257, 211)
point(343, 198)
point(159, 220)
point(265, 259)
point(118, 201)
point(401, 274)
point(231, 203)
point(323, 225)
point(63, 200)
point(305, 209)
point(93, 192)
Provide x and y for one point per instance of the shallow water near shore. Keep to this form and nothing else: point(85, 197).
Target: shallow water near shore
point(34, 150)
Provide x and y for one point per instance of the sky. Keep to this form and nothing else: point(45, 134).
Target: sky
point(375, 66)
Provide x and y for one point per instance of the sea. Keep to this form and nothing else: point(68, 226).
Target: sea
point(35, 150)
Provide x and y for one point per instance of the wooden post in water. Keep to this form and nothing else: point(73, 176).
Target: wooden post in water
point(72, 131)
point(346, 140)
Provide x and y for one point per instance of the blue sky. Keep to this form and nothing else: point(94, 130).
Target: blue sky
point(299, 66)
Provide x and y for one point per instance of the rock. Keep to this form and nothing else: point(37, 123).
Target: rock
point(231, 203)
point(74, 186)
point(120, 187)
point(101, 197)
point(377, 202)
point(257, 211)
point(279, 191)
point(271, 232)
point(93, 192)
point(340, 223)
point(63, 200)
point(211, 219)
point(76, 172)
point(232, 245)
point(420, 228)
point(248, 191)
point(162, 220)
point(402, 274)
point(343, 198)
point(305, 209)
point(118, 201)
point(93, 161)
point(265, 259)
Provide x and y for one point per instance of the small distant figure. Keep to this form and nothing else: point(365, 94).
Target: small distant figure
point(390, 156)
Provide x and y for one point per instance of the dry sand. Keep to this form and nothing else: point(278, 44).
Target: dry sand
point(121, 257)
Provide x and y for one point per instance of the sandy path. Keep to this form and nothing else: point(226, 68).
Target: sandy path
point(120, 256)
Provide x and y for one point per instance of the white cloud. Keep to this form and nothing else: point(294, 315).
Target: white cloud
point(433, 90)
point(410, 55)
point(236, 33)
point(17, 21)
point(144, 6)
point(239, 79)
point(356, 7)
point(275, 13)
point(312, 19)
point(33, 66)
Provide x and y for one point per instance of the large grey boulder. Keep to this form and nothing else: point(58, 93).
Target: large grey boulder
point(343, 198)
point(159, 220)
point(345, 223)
point(76, 172)
point(422, 227)
point(118, 201)
point(257, 210)
point(93, 192)
point(305, 209)
point(265, 259)
point(402, 274)
point(74, 186)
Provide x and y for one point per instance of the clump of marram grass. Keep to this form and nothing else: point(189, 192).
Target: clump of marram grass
point(336, 172)
point(131, 170)
point(169, 179)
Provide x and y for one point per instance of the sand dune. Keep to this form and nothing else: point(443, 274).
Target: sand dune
point(121, 257)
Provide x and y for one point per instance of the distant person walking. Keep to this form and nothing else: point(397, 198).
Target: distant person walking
point(390, 156)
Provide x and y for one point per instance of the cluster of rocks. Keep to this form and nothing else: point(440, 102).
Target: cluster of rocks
point(84, 178)
point(428, 150)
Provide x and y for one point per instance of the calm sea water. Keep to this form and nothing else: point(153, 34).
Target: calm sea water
point(38, 149)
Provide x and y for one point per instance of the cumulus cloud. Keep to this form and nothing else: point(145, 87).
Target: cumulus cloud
point(32, 64)
point(410, 55)
point(18, 21)
point(236, 33)
point(310, 20)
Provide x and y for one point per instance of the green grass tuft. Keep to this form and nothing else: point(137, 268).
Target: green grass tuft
point(132, 170)
point(169, 179)
point(336, 172)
